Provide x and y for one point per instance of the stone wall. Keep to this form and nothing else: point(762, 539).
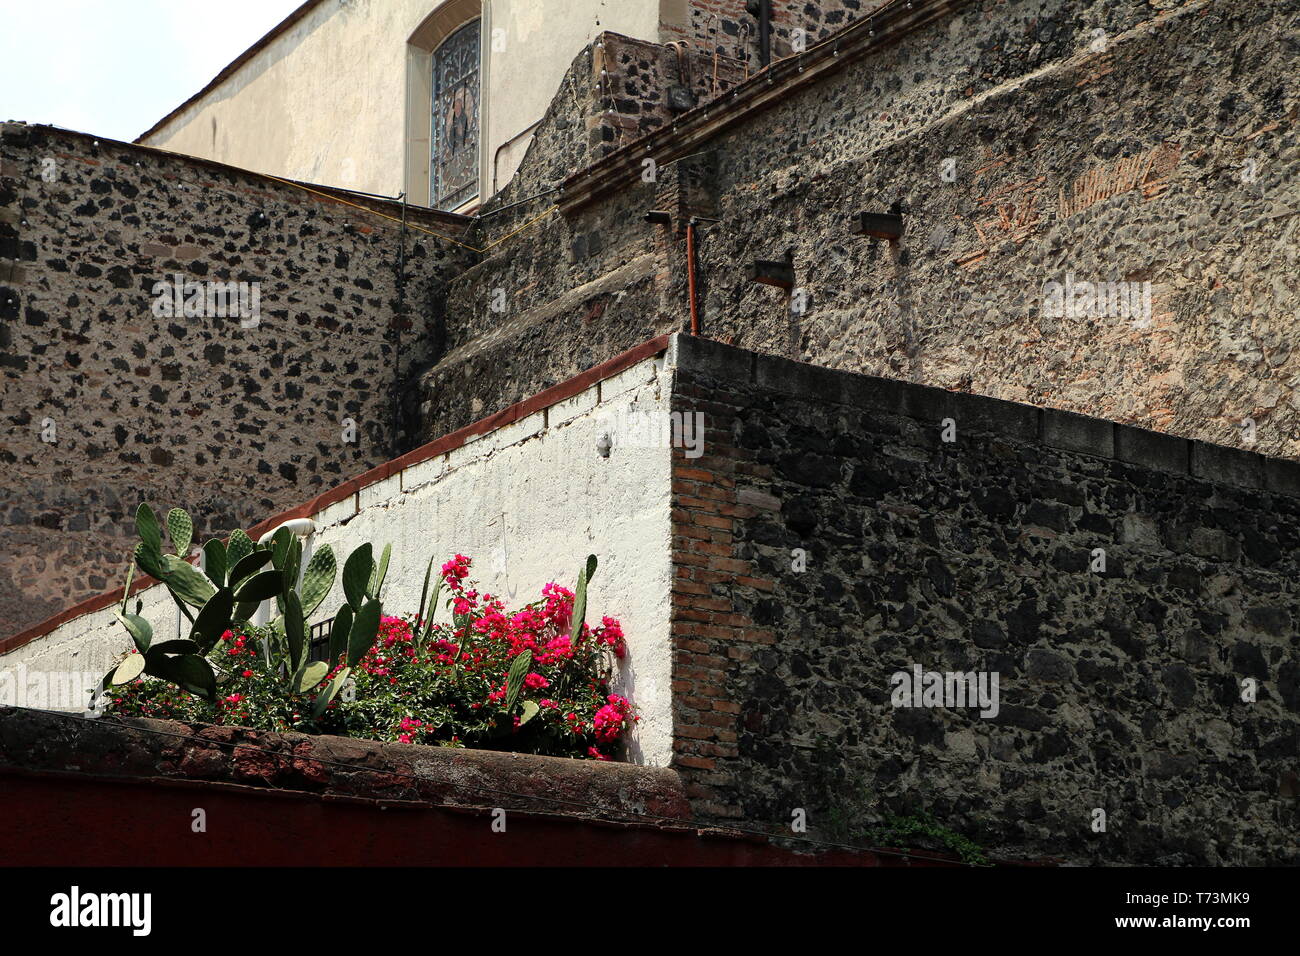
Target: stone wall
point(727, 26)
point(830, 536)
point(229, 421)
point(1021, 143)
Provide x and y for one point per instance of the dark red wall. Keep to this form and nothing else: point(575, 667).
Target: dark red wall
point(53, 820)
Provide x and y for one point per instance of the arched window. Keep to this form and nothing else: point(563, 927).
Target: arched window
point(454, 161)
point(446, 83)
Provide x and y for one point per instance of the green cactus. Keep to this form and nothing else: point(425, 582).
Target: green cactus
point(311, 675)
point(364, 631)
point(147, 527)
point(380, 572)
point(338, 645)
point(318, 579)
point(239, 547)
point(181, 528)
point(214, 562)
point(515, 678)
point(324, 697)
point(356, 575)
point(234, 581)
point(580, 597)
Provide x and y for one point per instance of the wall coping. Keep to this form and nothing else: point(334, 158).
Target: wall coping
point(691, 131)
point(13, 131)
point(336, 768)
point(981, 414)
point(352, 487)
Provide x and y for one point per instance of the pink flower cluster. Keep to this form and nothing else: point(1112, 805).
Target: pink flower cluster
point(455, 570)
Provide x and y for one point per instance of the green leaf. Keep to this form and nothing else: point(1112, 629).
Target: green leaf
point(186, 581)
point(247, 566)
point(163, 648)
point(530, 711)
point(365, 628)
point(293, 629)
point(147, 527)
point(318, 579)
point(433, 607)
point(280, 542)
point(327, 695)
point(261, 586)
point(312, 674)
point(181, 528)
point(240, 547)
point(214, 562)
point(515, 678)
point(188, 671)
point(141, 631)
point(356, 575)
point(339, 633)
point(126, 588)
point(128, 670)
point(214, 620)
point(424, 592)
point(244, 611)
point(580, 599)
point(149, 561)
point(379, 573)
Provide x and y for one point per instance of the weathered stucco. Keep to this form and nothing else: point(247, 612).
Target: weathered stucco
point(326, 101)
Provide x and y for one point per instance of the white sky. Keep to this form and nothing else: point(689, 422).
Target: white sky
point(115, 67)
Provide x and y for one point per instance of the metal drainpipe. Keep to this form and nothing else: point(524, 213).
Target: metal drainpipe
point(690, 275)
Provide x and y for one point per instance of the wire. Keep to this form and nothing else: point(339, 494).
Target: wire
point(631, 814)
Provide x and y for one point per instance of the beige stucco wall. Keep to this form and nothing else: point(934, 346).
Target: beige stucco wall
point(327, 101)
point(528, 502)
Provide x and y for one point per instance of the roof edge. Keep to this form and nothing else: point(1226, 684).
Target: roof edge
point(233, 66)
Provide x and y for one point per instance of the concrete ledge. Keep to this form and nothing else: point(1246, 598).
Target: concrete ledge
point(1282, 476)
point(36, 741)
point(1228, 466)
point(1138, 446)
point(981, 414)
point(994, 416)
point(1071, 432)
point(704, 356)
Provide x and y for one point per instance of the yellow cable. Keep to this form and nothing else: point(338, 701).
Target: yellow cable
point(410, 225)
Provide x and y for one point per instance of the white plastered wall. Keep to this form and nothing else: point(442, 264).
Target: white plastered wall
point(329, 100)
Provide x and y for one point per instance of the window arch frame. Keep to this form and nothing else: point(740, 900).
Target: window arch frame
point(438, 27)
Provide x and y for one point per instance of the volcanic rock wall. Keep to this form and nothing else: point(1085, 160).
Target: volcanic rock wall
point(1145, 149)
point(111, 395)
point(1134, 595)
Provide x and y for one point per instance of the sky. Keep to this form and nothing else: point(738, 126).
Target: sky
point(115, 67)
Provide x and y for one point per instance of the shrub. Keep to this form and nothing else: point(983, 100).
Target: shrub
point(525, 681)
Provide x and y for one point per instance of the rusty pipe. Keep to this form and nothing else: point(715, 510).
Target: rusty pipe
point(690, 275)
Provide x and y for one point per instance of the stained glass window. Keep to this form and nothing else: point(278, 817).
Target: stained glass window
point(455, 118)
